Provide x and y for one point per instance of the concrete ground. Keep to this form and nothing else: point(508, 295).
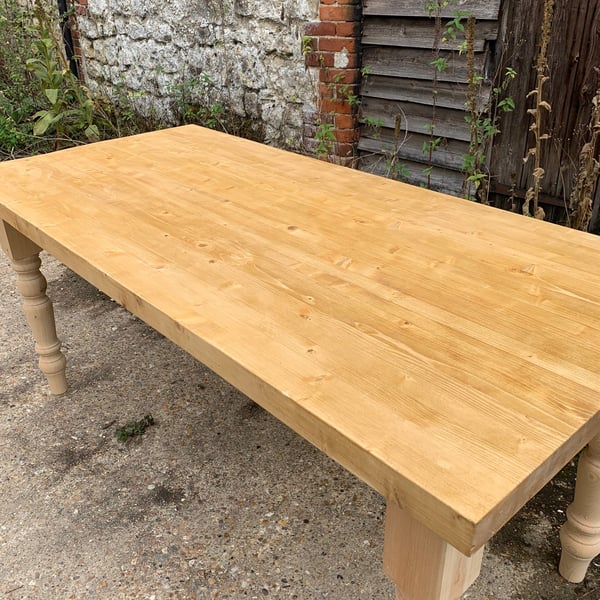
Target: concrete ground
point(216, 500)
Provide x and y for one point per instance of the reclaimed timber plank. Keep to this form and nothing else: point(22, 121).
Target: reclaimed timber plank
point(420, 91)
point(416, 64)
point(449, 153)
point(416, 33)
point(418, 118)
point(441, 178)
point(416, 8)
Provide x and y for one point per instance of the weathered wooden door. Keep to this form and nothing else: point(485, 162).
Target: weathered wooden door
point(573, 60)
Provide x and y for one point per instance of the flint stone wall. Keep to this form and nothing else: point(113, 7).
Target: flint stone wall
point(244, 54)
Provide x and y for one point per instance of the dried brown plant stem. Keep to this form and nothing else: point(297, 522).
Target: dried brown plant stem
point(581, 201)
point(398, 141)
point(541, 105)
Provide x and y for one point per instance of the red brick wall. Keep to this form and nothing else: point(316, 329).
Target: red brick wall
point(334, 51)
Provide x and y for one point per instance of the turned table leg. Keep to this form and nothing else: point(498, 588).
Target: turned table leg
point(421, 564)
point(580, 535)
point(37, 307)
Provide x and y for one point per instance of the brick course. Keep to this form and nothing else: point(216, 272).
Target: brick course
point(335, 52)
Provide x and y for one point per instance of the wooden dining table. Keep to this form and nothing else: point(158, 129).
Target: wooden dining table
point(445, 352)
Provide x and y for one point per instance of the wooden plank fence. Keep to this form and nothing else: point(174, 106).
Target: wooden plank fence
point(397, 93)
point(487, 10)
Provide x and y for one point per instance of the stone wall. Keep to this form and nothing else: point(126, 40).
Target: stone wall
point(246, 55)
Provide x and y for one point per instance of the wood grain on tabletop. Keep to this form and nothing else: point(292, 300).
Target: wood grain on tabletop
point(445, 352)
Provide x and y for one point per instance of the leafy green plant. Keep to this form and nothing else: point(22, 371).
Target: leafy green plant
point(191, 104)
point(19, 96)
point(132, 429)
point(434, 7)
point(454, 26)
point(431, 145)
point(482, 121)
point(344, 91)
point(121, 114)
point(306, 45)
point(347, 92)
point(374, 124)
point(325, 136)
point(395, 169)
point(70, 108)
point(12, 134)
point(42, 104)
point(440, 64)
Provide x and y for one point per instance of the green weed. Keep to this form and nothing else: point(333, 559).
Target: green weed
point(132, 429)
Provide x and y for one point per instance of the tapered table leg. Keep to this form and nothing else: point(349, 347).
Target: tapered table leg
point(580, 535)
point(421, 564)
point(37, 307)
